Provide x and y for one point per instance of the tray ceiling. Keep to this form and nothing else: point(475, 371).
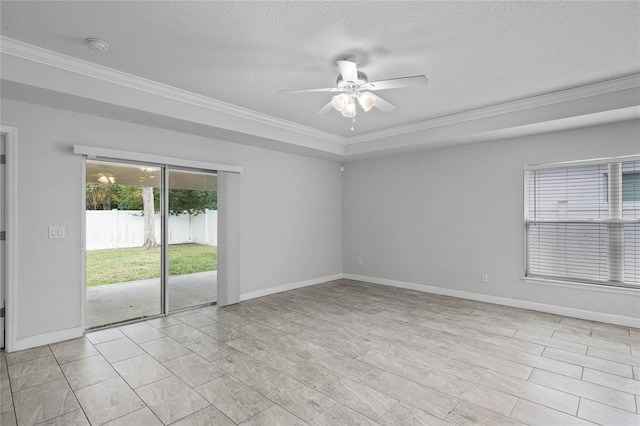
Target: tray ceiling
point(475, 54)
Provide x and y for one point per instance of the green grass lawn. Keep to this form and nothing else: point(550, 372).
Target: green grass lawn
point(131, 264)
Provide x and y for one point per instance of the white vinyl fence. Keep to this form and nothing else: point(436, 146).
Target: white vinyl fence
point(111, 229)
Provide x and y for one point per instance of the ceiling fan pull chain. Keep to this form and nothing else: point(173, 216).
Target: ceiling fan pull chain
point(353, 121)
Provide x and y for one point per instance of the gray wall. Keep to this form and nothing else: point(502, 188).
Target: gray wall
point(291, 208)
point(406, 217)
point(444, 217)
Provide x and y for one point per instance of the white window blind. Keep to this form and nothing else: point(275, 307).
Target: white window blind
point(583, 221)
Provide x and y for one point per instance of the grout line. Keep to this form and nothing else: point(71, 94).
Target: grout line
point(13, 400)
point(452, 409)
point(514, 406)
point(305, 302)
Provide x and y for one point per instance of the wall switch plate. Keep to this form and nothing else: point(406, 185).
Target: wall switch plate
point(56, 232)
point(485, 278)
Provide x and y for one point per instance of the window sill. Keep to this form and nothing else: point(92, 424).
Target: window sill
point(582, 286)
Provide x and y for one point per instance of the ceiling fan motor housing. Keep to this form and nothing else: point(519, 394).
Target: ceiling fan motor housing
point(362, 80)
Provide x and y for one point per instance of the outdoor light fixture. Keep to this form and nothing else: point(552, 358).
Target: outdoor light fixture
point(107, 179)
point(148, 169)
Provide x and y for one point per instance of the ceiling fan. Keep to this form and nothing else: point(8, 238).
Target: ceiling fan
point(356, 89)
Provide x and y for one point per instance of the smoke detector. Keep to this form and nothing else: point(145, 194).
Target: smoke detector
point(98, 44)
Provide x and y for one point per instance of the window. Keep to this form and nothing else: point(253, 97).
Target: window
point(582, 221)
point(630, 186)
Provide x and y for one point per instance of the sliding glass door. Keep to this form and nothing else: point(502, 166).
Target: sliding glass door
point(123, 242)
point(142, 220)
point(192, 238)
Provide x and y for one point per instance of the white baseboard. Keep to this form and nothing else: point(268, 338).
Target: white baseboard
point(291, 286)
point(541, 307)
point(48, 338)
point(73, 333)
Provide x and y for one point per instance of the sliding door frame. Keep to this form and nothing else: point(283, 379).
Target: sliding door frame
point(164, 238)
point(83, 241)
point(169, 168)
point(165, 164)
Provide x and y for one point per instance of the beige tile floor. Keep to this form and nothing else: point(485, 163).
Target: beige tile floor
point(339, 353)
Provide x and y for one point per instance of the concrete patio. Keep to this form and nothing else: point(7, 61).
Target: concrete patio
point(111, 303)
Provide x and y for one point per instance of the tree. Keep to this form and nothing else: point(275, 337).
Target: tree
point(149, 218)
point(130, 197)
point(191, 201)
point(100, 196)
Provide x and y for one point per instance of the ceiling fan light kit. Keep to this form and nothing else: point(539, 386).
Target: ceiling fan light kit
point(367, 100)
point(339, 102)
point(356, 85)
point(345, 104)
point(349, 111)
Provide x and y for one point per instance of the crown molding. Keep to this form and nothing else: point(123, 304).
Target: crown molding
point(58, 60)
point(599, 88)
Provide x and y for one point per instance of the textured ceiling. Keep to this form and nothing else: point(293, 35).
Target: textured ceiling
point(475, 54)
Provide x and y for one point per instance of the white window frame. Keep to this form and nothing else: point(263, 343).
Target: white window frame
point(609, 287)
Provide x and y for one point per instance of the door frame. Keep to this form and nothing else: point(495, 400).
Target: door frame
point(168, 169)
point(11, 228)
point(165, 163)
point(83, 242)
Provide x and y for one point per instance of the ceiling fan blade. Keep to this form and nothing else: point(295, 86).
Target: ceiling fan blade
point(325, 89)
point(349, 70)
point(325, 109)
point(383, 105)
point(394, 83)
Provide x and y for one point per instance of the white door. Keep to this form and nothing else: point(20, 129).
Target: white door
point(3, 274)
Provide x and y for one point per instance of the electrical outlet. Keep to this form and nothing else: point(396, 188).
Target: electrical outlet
point(359, 261)
point(270, 272)
point(56, 232)
point(485, 278)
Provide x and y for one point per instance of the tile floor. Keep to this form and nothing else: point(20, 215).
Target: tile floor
point(339, 353)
